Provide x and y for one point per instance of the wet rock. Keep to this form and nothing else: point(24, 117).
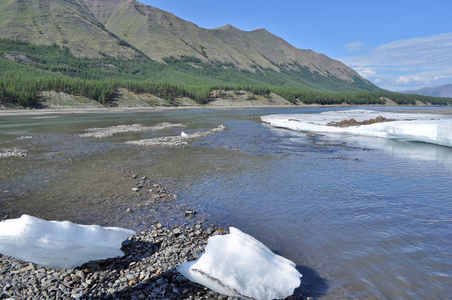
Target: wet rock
point(189, 213)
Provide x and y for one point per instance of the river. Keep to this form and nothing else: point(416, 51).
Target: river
point(362, 217)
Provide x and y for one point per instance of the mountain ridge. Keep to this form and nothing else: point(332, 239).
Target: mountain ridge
point(129, 29)
point(437, 91)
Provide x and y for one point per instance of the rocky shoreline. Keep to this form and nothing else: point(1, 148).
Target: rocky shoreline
point(147, 271)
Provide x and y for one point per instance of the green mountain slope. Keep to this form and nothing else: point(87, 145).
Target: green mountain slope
point(97, 48)
point(27, 70)
point(256, 46)
point(128, 29)
point(160, 34)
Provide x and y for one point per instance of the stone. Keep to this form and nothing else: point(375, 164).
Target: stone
point(147, 271)
point(189, 213)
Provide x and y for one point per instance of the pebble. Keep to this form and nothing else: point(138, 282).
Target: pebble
point(147, 271)
point(12, 152)
point(189, 213)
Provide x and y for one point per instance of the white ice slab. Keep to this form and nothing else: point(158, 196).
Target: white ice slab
point(237, 264)
point(427, 128)
point(59, 245)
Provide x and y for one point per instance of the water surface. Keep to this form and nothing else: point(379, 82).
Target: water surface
point(364, 218)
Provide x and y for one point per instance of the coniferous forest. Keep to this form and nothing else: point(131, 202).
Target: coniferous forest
point(27, 69)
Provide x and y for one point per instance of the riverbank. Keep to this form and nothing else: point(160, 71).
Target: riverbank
point(147, 271)
point(65, 111)
point(94, 110)
point(330, 229)
point(52, 102)
point(445, 111)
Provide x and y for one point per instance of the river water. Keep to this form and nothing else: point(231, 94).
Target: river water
point(363, 218)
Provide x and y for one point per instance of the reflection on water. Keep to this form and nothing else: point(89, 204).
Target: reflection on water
point(364, 218)
point(405, 150)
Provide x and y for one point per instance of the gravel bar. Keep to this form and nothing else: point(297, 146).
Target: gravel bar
point(147, 271)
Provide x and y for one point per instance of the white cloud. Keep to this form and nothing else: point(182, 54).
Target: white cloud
point(368, 74)
point(439, 77)
point(403, 80)
point(354, 46)
point(407, 64)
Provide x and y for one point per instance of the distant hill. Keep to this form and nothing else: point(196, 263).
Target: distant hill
point(438, 91)
point(127, 29)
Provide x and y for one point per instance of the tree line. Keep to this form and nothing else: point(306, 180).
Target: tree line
point(26, 70)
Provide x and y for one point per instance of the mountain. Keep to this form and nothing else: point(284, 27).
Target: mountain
point(127, 29)
point(63, 22)
point(438, 91)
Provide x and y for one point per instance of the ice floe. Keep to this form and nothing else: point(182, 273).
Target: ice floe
point(59, 245)
point(427, 128)
point(238, 265)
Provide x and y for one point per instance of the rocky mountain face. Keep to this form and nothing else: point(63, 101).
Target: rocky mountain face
point(129, 29)
point(67, 23)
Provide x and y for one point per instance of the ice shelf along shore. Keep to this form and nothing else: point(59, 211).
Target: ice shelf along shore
point(59, 245)
point(238, 265)
point(427, 128)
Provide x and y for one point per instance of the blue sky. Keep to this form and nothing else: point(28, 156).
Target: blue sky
point(396, 44)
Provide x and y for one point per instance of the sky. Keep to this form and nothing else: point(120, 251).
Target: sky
point(396, 44)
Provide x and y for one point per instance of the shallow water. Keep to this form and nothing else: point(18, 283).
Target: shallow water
point(363, 218)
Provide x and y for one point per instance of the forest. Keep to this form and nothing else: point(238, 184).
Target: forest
point(27, 69)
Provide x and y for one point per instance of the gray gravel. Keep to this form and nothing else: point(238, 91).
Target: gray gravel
point(12, 152)
point(147, 271)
